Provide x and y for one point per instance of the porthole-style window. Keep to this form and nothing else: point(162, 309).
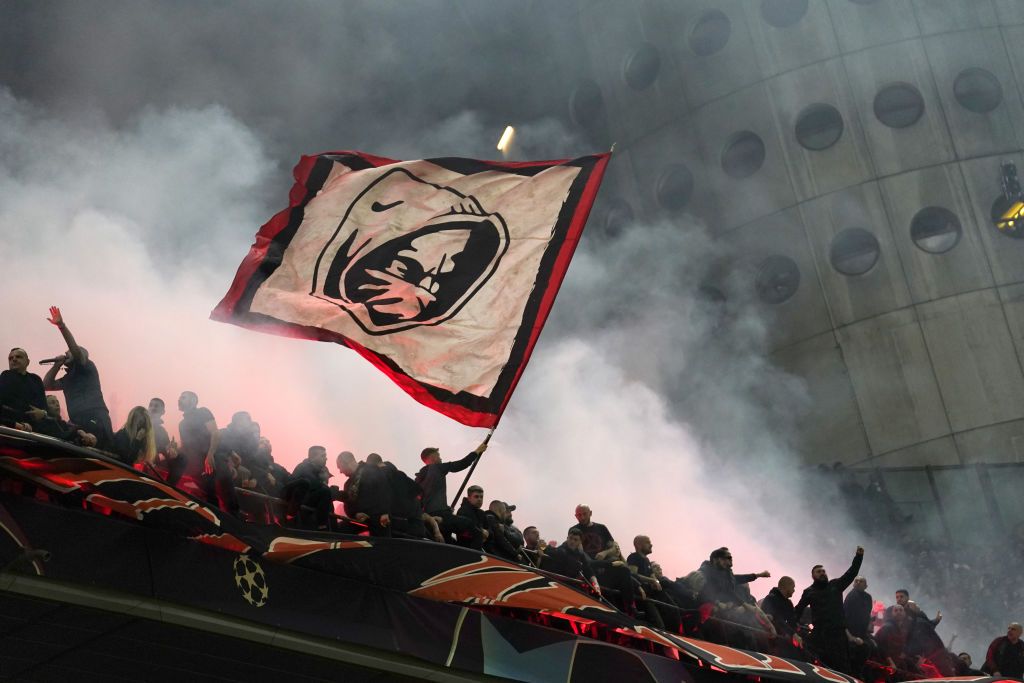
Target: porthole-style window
point(935, 229)
point(743, 155)
point(710, 34)
point(618, 216)
point(642, 67)
point(977, 90)
point(778, 278)
point(783, 13)
point(899, 105)
point(675, 187)
point(854, 251)
point(585, 103)
point(819, 126)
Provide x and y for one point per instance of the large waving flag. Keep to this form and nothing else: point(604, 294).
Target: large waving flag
point(440, 272)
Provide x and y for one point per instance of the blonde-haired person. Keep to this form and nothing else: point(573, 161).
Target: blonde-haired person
point(135, 443)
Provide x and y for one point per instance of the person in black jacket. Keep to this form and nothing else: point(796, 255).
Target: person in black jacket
point(476, 527)
point(778, 607)
point(431, 479)
point(825, 598)
point(857, 608)
point(307, 487)
point(22, 400)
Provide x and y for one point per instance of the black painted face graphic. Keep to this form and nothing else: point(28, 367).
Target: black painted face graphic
point(409, 253)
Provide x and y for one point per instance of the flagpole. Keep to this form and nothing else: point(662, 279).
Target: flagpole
point(471, 468)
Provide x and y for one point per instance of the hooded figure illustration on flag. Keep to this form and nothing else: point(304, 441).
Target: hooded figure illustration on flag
point(441, 272)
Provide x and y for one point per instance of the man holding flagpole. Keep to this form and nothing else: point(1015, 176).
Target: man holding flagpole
point(432, 480)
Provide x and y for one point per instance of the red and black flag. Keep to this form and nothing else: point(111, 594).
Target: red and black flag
point(440, 272)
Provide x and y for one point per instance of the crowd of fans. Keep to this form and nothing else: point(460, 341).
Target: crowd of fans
point(856, 635)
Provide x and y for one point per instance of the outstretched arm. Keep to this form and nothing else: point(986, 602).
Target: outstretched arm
point(73, 348)
point(463, 463)
point(846, 579)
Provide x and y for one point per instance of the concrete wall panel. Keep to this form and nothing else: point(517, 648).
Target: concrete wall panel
point(1012, 297)
point(995, 443)
point(861, 25)
point(941, 16)
point(815, 172)
point(975, 363)
point(977, 133)
point(804, 315)
point(879, 290)
point(1010, 12)
point(707, 77)
point(653, 155)
point(940, 451)
point(961, 269)
point(922, 143)
point(893, 380)
point(832, 430)
point(614, 32)
point(765, 191)
point(782, 48)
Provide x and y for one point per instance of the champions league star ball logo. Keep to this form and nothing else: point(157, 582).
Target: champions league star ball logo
point(408, 253)
point(250, 578)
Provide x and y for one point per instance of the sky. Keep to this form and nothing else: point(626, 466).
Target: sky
point(143, 143)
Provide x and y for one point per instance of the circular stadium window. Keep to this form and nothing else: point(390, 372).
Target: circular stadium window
point(819, 126)
point(899, 105)
point(783, 13)
point(585, 103)
point(935, 229)
point(778, 278)
point(710, 33)
point(854, 251)
point(977, 90)
point(743, 155)
point(618, 216)
point(674, 188)
point(642, 67)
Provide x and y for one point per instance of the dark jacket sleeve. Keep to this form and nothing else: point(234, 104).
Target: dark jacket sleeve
point(800, 606)
point(459, 465)
point(744, 578)
point(844, 581)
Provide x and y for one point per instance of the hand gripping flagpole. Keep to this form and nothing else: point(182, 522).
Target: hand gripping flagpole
point(472, 467)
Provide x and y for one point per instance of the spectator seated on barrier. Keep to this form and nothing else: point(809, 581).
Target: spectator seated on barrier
point(80, 384)
point(569, 560)
point(22, 399)
point(606, 560)
point(534, 547)
point(1005, 656)
point(432, 481)
point(56, 426)
point(498, 541)
point(307, 494)
point(735, 618)
point(398, 500)
point(778, 607)
point(665, 615)
point(134, 444)
point(476, 532)
point(270, 477)
point(157, 409)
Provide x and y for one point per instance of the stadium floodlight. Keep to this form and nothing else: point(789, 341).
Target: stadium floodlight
point(1008, 209)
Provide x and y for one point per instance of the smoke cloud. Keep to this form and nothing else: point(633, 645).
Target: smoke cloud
point(142, 144)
